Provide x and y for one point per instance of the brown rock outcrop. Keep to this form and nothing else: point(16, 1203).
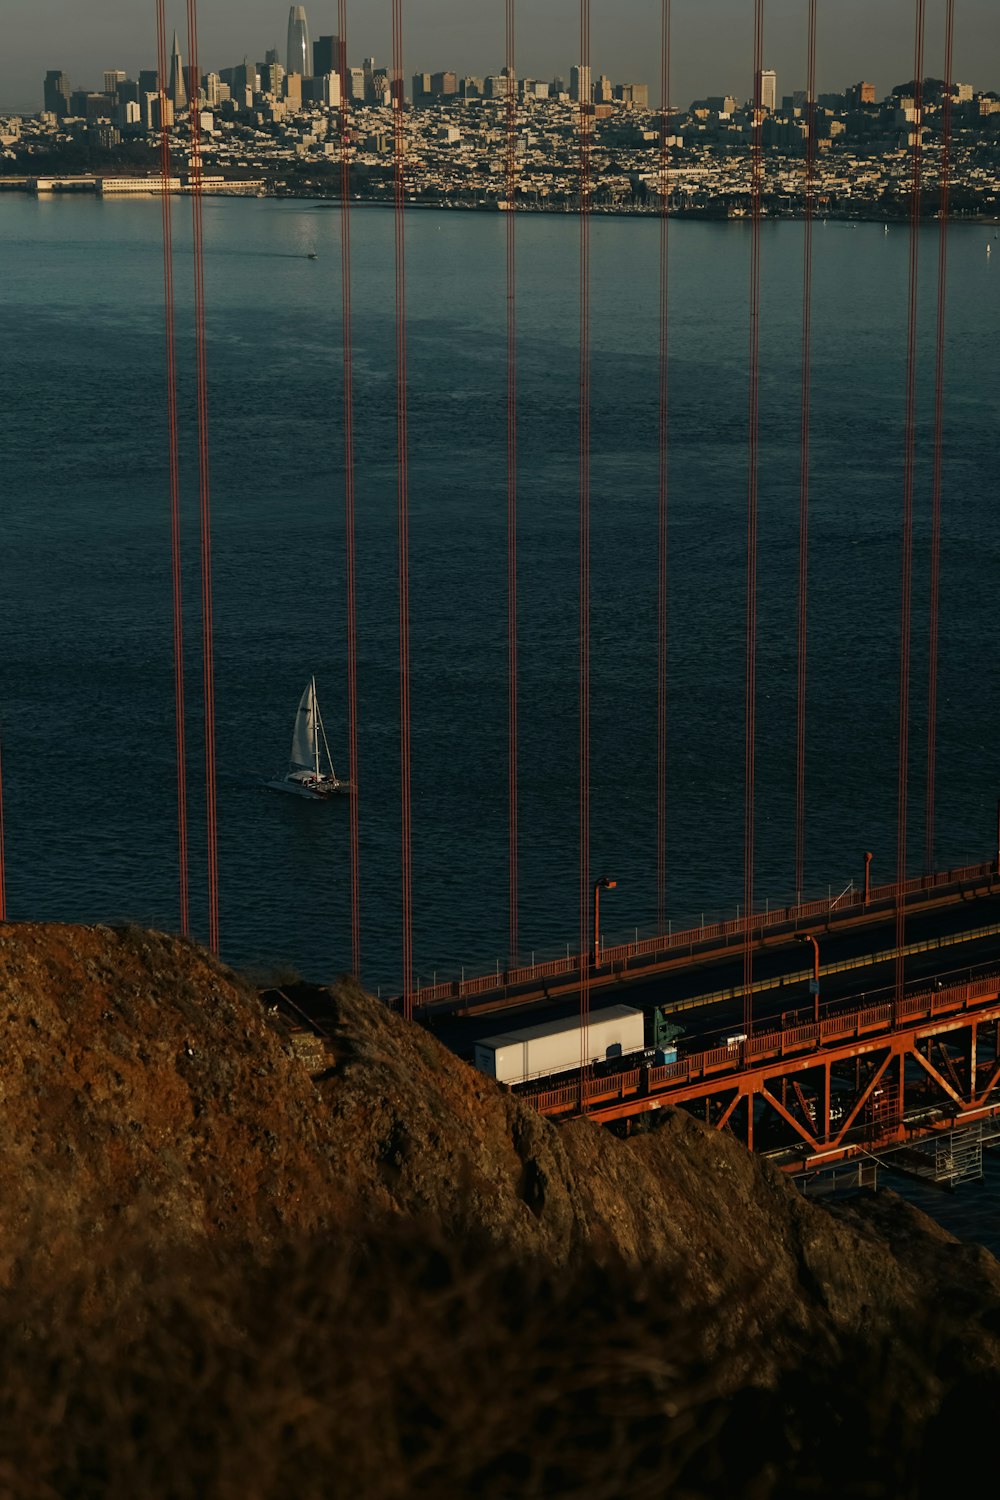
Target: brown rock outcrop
point(221, 1277)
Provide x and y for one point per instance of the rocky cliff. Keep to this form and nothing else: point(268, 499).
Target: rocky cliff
point(390, 1277)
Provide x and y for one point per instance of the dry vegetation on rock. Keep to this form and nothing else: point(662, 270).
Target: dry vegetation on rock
point(219, 1278)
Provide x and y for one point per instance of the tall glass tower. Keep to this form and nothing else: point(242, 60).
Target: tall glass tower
point(299, 50)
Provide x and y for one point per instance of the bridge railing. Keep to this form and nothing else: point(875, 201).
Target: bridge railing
point(623, 954)
point(742, 1057)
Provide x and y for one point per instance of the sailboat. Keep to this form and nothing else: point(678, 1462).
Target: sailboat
point(310, 769)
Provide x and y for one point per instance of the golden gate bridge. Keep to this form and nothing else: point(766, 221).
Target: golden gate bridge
point(883, 1060)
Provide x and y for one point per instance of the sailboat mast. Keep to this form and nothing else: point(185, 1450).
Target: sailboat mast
point(315, 727)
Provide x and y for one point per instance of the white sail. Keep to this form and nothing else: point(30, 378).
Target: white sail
point(303, 757)
point(311, 772)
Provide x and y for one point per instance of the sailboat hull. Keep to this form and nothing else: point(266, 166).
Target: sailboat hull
point(316, 791)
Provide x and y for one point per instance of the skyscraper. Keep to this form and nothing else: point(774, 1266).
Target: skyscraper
point(326, 56)
point(272, 78)
point(245, 77)
point(57, 92)
point(580, 89)
point(178, 87)
point(769, 89)
point(299, 50)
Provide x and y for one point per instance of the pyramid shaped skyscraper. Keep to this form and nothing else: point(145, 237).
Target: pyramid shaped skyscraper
point(178, 86)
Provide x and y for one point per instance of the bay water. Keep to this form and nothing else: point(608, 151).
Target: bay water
point(86, 677)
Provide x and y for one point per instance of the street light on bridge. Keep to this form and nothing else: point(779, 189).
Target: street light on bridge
point(604, 884)
point(807, 937)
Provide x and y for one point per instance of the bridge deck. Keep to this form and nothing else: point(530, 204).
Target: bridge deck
point(650, 958)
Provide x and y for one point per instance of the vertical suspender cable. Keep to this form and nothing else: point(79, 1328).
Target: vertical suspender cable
point(512, 695)
point(942, 304)
point(585, 126)
point(402, 490)
point(664, 481)
point(349, 492)
point(750, 706)
point(909, 465)
point(803, 638)
point(174, 464)
point(204, 479)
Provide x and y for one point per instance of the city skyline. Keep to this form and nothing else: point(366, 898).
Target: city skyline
point(711, 54)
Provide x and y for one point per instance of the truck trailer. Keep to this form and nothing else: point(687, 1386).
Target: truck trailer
point(555, 1046)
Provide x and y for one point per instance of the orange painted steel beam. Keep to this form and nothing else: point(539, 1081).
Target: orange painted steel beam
point(884, 1035)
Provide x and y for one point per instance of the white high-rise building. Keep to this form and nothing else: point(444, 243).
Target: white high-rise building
point(580, 90)
point(769, 90)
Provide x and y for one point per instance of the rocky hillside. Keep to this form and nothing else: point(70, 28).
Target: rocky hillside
point(182, 1196)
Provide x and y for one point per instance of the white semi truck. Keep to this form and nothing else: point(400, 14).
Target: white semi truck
point(556, 1047)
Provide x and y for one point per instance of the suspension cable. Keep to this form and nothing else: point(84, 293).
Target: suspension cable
point(349, 493)
point(402, 492)
point(809, 208)
point(512, 692)
point(939, 384)
point(586, 119)
point(204, 479)
point(174, 468)
point(750, 707)
point(662, 632)
point(909, 467)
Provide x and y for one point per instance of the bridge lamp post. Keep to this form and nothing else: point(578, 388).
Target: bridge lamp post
point(604, 884)
point(868, 877)
point(807, 937)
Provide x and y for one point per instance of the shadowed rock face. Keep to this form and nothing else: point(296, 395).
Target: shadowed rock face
point(178, 1191)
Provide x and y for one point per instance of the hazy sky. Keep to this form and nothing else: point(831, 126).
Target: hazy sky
point(870, 39)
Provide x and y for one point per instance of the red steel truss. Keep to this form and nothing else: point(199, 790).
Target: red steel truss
point(860, 1079)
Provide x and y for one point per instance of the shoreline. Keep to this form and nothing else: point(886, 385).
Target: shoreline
point(707, 214)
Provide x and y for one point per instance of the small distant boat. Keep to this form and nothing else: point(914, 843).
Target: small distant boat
point(310, 768)
point(313, 255)
point(989, 249)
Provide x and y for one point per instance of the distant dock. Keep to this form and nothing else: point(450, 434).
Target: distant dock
point(109, 186)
